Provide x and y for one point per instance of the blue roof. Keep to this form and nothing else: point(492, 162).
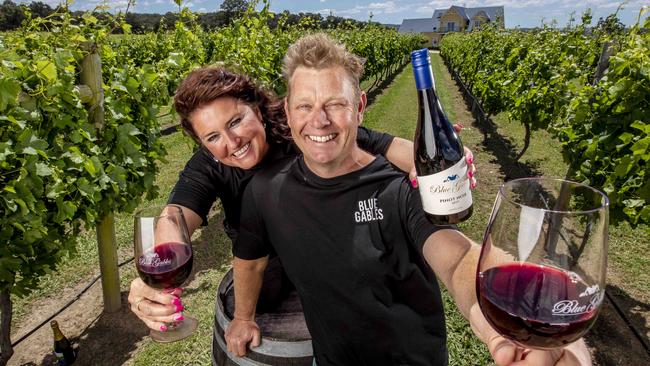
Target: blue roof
point(417, 25)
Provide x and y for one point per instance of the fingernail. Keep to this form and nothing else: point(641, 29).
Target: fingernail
point(178, 318)
point(177, 302)
point(470, 174)
point(179, 308)
point(414, 183)
point(470, 160)
point(163, 328)
point(472, 185)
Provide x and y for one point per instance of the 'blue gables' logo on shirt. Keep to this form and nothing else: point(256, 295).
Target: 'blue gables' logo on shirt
point(368, 211)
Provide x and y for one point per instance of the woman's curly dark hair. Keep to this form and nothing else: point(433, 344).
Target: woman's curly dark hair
point(204, 85)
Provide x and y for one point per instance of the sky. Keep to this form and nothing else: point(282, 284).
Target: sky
point(522, 13)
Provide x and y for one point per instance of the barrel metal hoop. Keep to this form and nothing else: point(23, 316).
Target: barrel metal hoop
point(270, 347)
point(241, 361)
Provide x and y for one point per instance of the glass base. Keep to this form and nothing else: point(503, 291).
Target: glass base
point(176, 332)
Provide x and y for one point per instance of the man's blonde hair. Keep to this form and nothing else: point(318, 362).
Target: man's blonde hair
point(319, 51)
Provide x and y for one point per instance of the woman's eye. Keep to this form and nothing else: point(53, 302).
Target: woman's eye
point(213, 138)
point(235, 122)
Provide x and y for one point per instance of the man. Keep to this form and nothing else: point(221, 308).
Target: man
point(353, 238)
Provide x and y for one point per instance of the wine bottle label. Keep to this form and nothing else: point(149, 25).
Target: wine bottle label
point(446, 192)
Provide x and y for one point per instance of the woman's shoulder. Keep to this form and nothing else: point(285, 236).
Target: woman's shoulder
point(202, 163)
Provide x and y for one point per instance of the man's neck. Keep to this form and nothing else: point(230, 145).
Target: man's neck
point(357, 159)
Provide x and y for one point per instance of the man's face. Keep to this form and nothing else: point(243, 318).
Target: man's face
point(323, 116)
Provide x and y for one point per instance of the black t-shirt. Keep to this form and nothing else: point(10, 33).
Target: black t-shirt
point(204, 179)
point(352, 245)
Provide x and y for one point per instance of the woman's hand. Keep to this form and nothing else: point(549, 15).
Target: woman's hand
point(469, 158)
point(156, 308)
point(505, 352)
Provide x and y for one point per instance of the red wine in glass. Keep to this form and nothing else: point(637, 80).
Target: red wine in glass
point(166, 265)
point(540, 280)
point(163, 253)
point(540, 306)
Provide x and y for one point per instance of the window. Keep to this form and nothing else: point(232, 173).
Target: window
point(477, 23)
point(451, 27)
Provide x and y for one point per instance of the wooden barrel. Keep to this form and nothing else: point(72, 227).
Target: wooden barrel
point(285, 338)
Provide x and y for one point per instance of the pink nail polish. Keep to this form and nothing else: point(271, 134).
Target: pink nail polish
point(470, 160)
point(179, 318)
point(414, 183)
point(177, 302)
point(179, 308)
point(470, 174)
point(163, 328)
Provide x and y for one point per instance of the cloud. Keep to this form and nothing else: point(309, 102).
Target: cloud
point(386, 7)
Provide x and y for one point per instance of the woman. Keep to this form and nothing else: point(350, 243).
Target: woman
point(240, 127)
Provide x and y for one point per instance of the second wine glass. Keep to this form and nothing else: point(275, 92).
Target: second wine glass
point(541, 274)
point(163, 254)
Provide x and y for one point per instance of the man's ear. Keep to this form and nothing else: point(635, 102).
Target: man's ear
point(286, 107)
point(361, 108)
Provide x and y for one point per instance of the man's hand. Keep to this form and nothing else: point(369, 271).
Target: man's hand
point(239, 333)
point(505, 352)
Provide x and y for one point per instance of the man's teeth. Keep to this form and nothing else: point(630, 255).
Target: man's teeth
point(242, 151)
point(321, 138)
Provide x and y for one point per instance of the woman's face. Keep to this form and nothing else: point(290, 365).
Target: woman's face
point(232, 131)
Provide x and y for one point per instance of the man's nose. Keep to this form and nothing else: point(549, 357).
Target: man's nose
point(319, 118)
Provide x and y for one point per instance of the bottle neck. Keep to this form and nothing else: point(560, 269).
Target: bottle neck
point(423, 76)
point(58, 335)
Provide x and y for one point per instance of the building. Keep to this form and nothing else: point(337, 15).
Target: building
point(454, 19)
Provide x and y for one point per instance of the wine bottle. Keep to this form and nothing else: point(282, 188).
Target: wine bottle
point(439, 155)
point(62, 347)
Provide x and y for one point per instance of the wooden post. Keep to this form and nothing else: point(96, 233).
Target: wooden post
point(91, 77)
point(108, 263)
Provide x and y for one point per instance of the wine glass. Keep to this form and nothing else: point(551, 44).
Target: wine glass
point(541, 275)
point(163, 253)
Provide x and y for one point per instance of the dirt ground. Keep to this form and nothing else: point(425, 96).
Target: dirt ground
point(101, 338)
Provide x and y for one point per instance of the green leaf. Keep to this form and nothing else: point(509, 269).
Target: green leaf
point(641, 146)
point(66, 210)
point(9, 90)
point(626, 137)
point(90, 167)
point(30, 151)
point(47, 69)
point(634, 203)
point(43, 170)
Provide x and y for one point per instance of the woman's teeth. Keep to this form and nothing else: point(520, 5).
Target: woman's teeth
point(242, 151)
